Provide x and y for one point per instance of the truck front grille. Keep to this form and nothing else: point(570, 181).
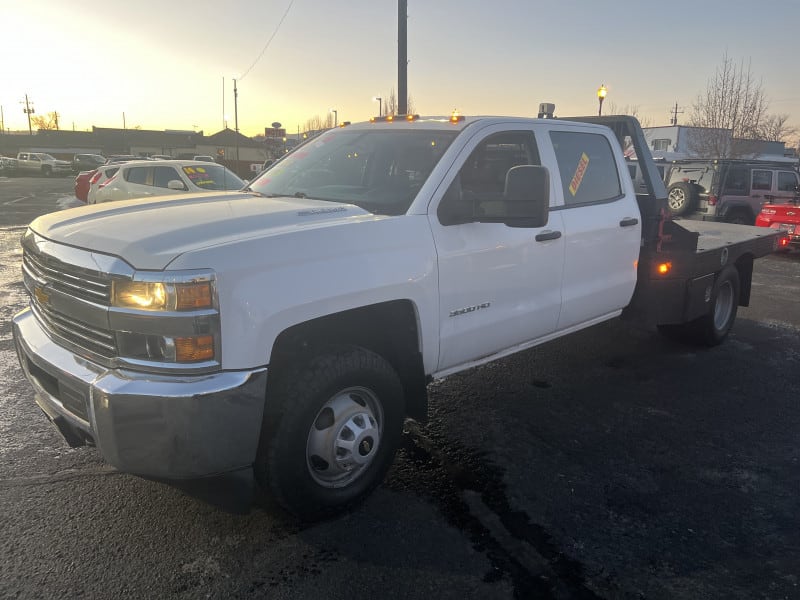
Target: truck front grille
point(72, 280)
point(97, 341)
point(48, 276)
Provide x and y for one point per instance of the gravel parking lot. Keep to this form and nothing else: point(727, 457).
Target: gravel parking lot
point(608, 464)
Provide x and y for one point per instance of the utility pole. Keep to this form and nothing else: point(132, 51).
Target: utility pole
point(2, 121)
point(675, 112)
point(55, 116)
point(402, 56)
point(28, 110)
point(236, 119)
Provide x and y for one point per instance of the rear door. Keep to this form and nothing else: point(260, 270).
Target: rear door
point(602, 225)
point(138, 181)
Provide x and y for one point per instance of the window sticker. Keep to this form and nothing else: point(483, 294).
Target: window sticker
point(580, 171)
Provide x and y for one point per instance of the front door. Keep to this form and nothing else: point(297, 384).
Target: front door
point(786, 187)
point(500, 286)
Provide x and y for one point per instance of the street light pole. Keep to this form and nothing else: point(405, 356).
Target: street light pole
point(335, 117)
point(380, 105)
point(601, 95)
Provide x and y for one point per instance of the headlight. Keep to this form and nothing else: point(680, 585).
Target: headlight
point(166, 318)
point(146, 295)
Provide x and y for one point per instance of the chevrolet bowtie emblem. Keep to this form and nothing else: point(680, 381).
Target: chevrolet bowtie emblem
point(41, 295)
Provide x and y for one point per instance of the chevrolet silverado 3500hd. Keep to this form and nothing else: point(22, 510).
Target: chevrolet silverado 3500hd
point(287, 329)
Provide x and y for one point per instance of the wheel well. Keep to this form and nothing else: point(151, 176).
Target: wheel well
point(744, 265)
point(388, 329)
point(740, 210)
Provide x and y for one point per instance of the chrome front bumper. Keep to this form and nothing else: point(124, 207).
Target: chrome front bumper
point(167, 426)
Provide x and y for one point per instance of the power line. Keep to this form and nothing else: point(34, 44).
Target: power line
point(269, 41)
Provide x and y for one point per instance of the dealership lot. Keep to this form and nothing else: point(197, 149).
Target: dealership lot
point(609, 464)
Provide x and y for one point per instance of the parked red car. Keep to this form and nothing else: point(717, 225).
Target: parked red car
point(82, 184)
point(784, 217)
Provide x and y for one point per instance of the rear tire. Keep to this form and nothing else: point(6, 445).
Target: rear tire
point(47, 171)
point(713, 327)
point(331, 428)
point(681, 198)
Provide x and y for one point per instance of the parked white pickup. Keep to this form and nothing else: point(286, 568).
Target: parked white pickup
point(289, 328)
point(40, 163)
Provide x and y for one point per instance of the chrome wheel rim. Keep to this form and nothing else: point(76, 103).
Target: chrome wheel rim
point(723, 306)
point(344, 437)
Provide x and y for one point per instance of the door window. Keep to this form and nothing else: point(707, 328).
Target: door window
point(787, 181)
point(482, 179)
point(587, 167)
point(762, 180)
point(163, 175)
point(136, 175)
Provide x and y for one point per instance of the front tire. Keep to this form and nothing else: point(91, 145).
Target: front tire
point(331, 428)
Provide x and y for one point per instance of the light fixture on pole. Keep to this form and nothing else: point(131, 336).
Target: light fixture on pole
point(335, 116)
point(380, 105)
point(601, 95)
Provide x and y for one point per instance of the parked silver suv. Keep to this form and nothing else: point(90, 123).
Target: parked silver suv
point(728, 189)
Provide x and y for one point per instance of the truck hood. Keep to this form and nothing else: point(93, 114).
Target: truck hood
point(150, 233)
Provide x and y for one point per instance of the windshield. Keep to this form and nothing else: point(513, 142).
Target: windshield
point(213, 177)
point(46, 157)
point(380, 170)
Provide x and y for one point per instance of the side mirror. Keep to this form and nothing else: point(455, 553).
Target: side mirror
point(176, 184)
point(526, 199)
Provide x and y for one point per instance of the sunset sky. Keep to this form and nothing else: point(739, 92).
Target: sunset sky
point(162, 62)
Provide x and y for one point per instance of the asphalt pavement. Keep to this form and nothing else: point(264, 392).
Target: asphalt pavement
point(608, 464)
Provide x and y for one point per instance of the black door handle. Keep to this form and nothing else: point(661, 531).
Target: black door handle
point(629, 222)
point(548, 235)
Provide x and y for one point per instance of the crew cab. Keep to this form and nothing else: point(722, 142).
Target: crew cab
point(41, 163)
point(287, 329)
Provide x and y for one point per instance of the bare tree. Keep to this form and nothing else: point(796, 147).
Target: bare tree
point(733, 106)
point(775, 128)
point(391, 104)
point(315, 123)
point(629, 109)
point(45, 122)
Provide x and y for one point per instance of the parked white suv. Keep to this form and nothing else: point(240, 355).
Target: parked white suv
point(141, 179)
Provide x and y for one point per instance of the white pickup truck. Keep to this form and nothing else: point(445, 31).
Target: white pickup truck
point(289, 328)
point(41, 163)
